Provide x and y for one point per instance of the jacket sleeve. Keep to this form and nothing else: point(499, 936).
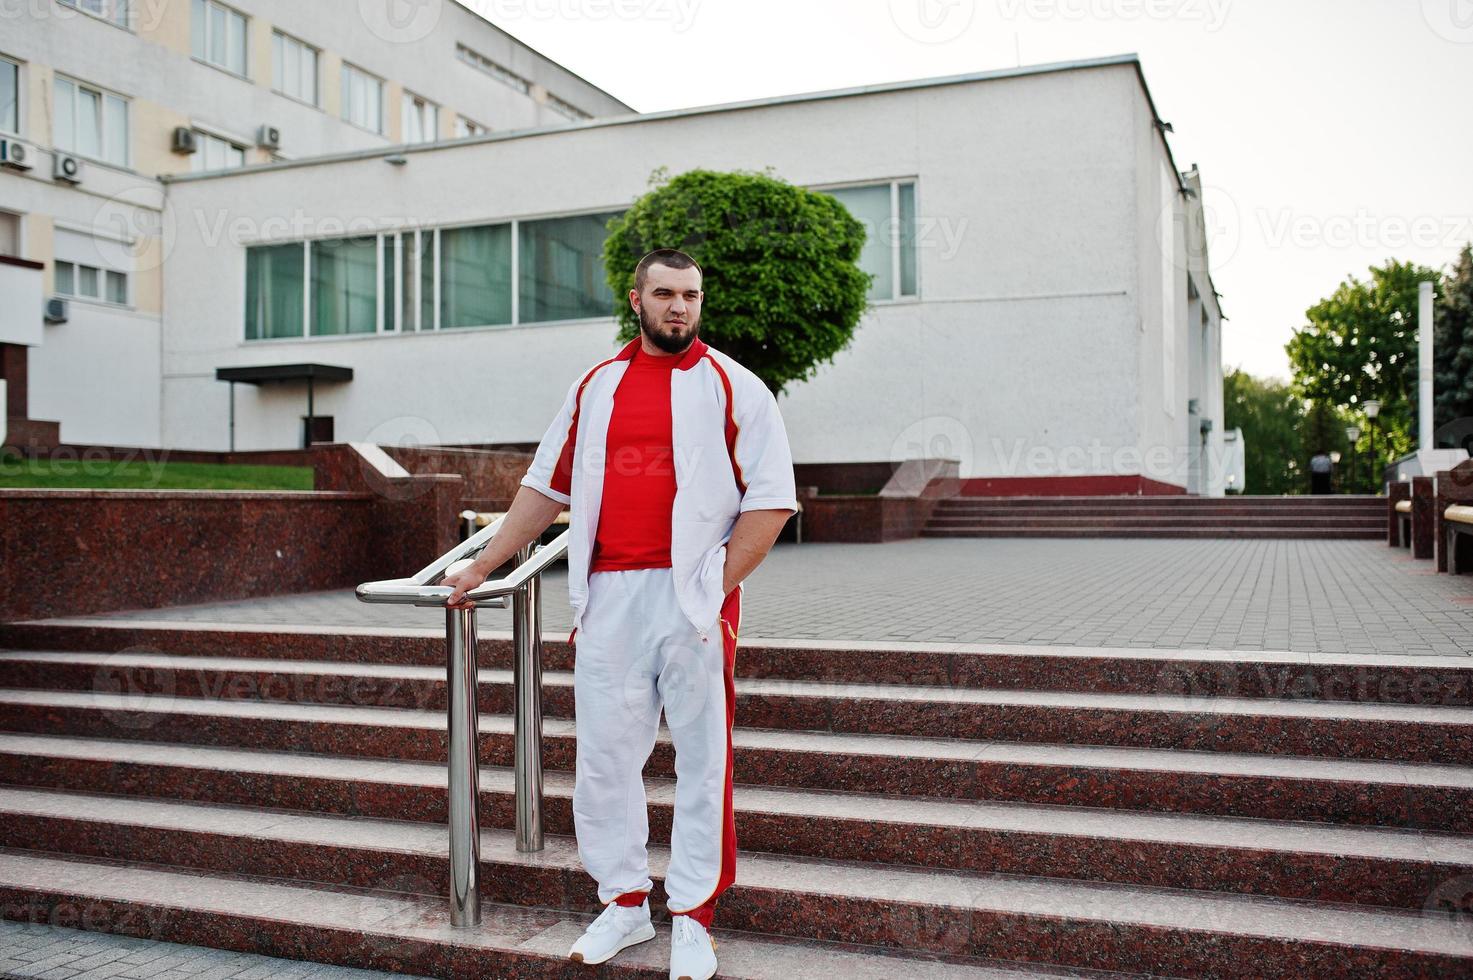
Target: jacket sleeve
point(551, 472)
point(762, 451)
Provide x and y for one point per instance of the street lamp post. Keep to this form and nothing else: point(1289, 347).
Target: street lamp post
point(1373, 409)
point(1352, 432)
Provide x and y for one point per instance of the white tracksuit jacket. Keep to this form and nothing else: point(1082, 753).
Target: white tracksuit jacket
point(730, 454)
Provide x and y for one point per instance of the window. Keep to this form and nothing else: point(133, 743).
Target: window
point(421, 120)
point(90, 282)
point(475, 276)
point(420, 280)
point(344, 285)
point(499, 72)
point(112, 10)
point(887, 212)
point(565, 108)
point(465, 127)
point(215, 153)
point(91, 122)
point(363, 99)
point(562, 269)
point(9, 96)
point(10, 234)
point(294, 68)
point(274, 290)
point(218, 35)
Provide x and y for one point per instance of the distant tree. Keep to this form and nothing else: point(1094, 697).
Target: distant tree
point(1361, 344)
point(1453, 344)
point(1269, 413)
point(784, 290)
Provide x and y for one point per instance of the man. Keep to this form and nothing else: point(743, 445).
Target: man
point(675, 464)
point(1321, 466)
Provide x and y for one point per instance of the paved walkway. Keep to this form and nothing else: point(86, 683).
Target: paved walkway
point(1239, 594)
point(46, 952)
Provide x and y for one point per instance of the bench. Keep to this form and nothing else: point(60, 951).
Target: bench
point(1454, 513)
point(1424, 517)
point(473, 520)
point(1457, 523)
point(1398, 513)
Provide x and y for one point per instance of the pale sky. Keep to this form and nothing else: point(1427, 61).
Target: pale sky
point(1332, 134)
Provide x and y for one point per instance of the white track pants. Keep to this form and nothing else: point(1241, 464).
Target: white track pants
point(635, 652)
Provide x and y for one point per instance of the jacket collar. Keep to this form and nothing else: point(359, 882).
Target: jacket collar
point(689, 359)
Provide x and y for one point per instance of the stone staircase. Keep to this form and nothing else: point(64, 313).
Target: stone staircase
point(938, 812)
point(1341, 516)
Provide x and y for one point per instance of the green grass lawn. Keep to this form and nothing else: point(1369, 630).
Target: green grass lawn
point(140, 474)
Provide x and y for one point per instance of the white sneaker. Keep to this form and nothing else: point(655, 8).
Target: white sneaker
point(692, 950)
point(616, 927)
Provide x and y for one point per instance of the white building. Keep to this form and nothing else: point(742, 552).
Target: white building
point(1046, 311)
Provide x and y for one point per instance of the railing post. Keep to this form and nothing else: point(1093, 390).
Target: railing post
point(527, 694)
point(464, 767)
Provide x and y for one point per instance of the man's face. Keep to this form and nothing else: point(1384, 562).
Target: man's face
point(669, 308)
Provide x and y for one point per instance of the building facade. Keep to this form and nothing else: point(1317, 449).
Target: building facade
point(101, 98)
point(1042, 307)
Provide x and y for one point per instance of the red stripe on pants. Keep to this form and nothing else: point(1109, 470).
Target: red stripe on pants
point(731, 615)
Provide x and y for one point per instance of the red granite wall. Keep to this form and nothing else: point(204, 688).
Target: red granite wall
point(491, 477)
point(78, 551)
point(1065, 486)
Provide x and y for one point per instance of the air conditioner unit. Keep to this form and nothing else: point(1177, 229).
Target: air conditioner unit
point(66, 167)
point(269, 137)
point(56, 310)
point(185, 140)
point(14, 153)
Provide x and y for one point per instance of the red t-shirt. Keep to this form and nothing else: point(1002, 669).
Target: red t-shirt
point(639, 470)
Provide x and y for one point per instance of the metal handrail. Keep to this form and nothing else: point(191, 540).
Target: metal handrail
point(523, 586)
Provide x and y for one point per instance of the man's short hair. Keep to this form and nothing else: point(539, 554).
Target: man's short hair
point(672, 257)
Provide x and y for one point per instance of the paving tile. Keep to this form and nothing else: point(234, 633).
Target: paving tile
point(1252, 594)
point(75, 954)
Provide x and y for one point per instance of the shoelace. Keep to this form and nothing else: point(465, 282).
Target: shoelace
point(605, 918)
point(685, 930)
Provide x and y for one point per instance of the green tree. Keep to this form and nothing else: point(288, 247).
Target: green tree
point(784, 291)
point(1361, 344)
point(1269, 413)
point(1453, 344)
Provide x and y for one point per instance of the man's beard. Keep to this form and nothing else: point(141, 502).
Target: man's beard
point(668, 344)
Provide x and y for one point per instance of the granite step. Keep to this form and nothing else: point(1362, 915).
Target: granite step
point(400, 931)
point(1199, 530)
point(1365, 792)
point(944, 519)
point(1337, 501)
point(1333, 729)
point(1349, 865)
point(1154, 506)
point(1278, 675)
point(858, 909)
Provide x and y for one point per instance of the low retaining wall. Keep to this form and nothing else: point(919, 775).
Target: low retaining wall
point(70, 552)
